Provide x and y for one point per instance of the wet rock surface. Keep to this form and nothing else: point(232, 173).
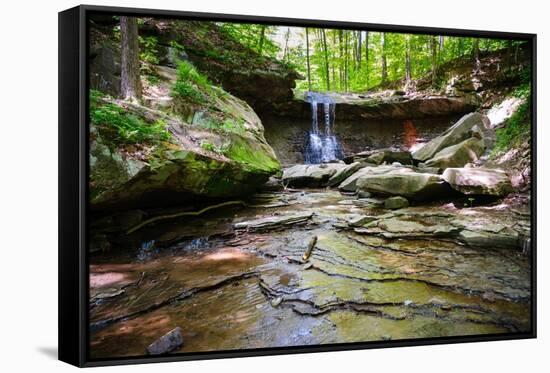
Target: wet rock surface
point(372, 275)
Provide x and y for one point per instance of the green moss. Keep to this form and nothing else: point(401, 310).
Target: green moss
point(516, 130)
point(254, 156)
point(192, 85)
point(121, 126)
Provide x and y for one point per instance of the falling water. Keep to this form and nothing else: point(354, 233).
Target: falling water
point(322, 146)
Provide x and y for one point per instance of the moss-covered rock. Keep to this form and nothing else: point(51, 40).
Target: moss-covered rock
point(216, 150)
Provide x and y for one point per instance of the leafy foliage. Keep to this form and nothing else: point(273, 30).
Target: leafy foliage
point(256, 37)
point(516, 129)
point(355, 57)
point(148, 49)
point(191, 84)
point(125, 127)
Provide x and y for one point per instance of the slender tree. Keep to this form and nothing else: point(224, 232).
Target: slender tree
point(367, 56)
point(327, 69)
point(383, 58)
point(307, 58)
point(285, 51)
point(333, 57)
point(359, 42)
point(475, 53)
point(408, 58)
point(341, 55)
point(261, 40)
point(433, 47)
point(346, 60)
point(130, 83)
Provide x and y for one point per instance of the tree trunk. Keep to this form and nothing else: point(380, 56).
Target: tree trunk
point(326, 58)
point(333, 58)
point(359, 42)
point(262, 38)
point(367, 56)
point(307, 57)
point(433, 45)
point(285, 51)
point(346, 60)
point(130, 84)
point(475, 53)
point(340, 39)
point(408, 59)
point(384, 61)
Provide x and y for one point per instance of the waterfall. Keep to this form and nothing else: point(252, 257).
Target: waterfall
point(322, 146)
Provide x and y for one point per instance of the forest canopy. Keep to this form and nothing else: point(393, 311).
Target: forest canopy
point(359, 60)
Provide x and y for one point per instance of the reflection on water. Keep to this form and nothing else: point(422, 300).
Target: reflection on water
point(250, 289)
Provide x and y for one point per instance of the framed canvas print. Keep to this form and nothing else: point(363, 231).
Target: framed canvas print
point(237, 186)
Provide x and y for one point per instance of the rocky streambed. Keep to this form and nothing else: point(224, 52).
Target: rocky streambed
point(235, 278)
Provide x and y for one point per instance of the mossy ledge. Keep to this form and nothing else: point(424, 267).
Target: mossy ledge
point(214, 150)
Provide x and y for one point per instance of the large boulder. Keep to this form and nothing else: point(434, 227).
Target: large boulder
point(311, 175)
point(344, 173)
point(460, 131)
point(458, 155)
point(350, 184)
point(478, 181)
point(205, 152)
point(404, 182)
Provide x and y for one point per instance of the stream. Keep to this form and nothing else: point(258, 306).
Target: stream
point(235, 279)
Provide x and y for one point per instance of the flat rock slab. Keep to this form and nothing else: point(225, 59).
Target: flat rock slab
point(344, 173)
point(475, 229)
point(272, 222)
point(314, 175)
point(479, 181)
point(404, 182)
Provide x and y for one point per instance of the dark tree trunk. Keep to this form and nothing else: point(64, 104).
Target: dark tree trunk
point(359, 42)
point(475, 53)
point(285, 51)
point(333, 62)
point(433, 45)
point(261, 42)
point(346, 59)
point(384, 61)
point(307, 58)
point(130, 84)
point(326, 58)
point(367, 56)
point(340, 39)
point(408, 59)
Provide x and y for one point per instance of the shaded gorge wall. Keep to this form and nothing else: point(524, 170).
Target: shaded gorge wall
point(289, 136)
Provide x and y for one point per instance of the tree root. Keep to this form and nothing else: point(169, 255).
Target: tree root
point(185, 213)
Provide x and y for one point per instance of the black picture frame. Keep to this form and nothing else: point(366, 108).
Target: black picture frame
point(73, 185)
